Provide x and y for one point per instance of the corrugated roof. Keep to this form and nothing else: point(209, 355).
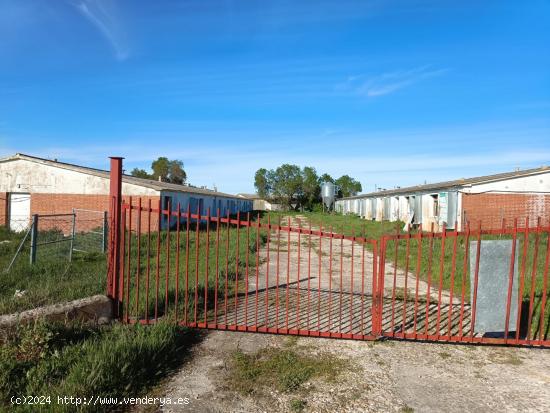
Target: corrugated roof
point(129, 179)
point(454, 184)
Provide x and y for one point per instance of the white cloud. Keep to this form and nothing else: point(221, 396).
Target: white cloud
point(102, 16)
point(389, 82)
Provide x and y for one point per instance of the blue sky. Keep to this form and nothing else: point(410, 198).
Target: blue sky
point(390, 92)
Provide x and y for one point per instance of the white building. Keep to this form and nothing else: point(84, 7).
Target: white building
point(486, 199)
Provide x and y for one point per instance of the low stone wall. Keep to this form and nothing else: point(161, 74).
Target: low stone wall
point(98, 308)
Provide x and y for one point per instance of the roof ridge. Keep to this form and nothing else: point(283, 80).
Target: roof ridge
point(456, 182)
point(150, 183)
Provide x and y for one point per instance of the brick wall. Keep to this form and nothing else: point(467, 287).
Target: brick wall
point(492, 208)
point(3, 208)
point(64, 203)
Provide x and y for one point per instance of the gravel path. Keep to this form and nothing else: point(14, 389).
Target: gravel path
point(384, 376)
point(388, 376)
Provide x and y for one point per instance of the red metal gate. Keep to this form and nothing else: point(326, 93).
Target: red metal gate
point(244, 273)
point(247, 273)
point(430, 286)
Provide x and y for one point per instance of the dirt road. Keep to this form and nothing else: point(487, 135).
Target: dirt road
point(380, 376)
point(387, 376)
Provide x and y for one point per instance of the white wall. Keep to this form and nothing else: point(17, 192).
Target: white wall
point(379, 209)
point(427, 213)
point(394, 208)
point(21, 175)
point(533, 183)
point(403, 208)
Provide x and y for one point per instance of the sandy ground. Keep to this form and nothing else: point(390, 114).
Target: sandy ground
point(384, 376)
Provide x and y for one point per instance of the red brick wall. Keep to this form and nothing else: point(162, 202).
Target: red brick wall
point(3, 208)
point(64, 203)
point(492, 208)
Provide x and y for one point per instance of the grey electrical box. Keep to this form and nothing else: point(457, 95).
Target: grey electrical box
point(492, 285)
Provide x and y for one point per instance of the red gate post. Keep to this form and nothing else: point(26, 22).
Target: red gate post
point(115, 207)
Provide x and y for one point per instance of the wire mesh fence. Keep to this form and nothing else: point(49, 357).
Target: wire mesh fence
point(19, 223)
point(52, 236)
point(59, 236)
point(90, 231)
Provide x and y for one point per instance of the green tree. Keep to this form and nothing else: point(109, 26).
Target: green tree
point(348, 186)
point(140, 173)
point(287, 184)
point(326, 178)
point(261, 183)
point(161, 168)
point(169, 170)
point(176, 173)
point(310, 187)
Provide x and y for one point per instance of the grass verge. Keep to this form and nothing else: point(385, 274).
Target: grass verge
point(50, 359)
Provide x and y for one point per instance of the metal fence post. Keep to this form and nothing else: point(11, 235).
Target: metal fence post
point(73, 232)
point(115, 207)
point(105, 233)
point(34, 238)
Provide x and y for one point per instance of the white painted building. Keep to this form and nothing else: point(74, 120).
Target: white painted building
point(486, 199)
point(31, 185)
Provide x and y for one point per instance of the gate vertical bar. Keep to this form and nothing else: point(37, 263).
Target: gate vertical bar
point(115, 198)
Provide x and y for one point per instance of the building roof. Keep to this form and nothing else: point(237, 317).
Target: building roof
point(129, 179)
point(457, 183)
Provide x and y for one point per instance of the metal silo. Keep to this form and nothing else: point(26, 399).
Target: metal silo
point(328, 193)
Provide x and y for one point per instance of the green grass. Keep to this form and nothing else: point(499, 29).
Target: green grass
point(458, 277)
point(283, 369)
point(54, 360)
point(350, 225)
point(52, 279)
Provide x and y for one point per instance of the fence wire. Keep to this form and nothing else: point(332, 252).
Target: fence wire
point(90, 231)
point(60, 236)
point(52, 236)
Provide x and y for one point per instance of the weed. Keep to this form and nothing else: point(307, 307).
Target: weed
point(506, 357)
point(297, 405)
point(283, 369)
point(55, 360)
point(291, 341)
